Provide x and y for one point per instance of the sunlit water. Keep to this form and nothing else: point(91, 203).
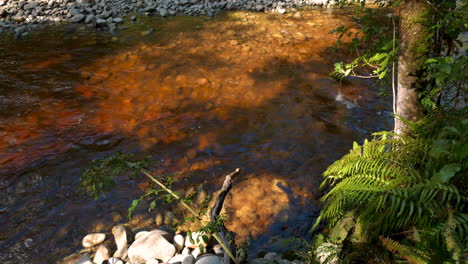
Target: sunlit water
point(202, 96)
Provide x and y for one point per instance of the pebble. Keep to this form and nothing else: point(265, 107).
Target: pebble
point(121, 235)
point(102, 254)
point(115, 260)
point(179, 241)
point(103, 12)
point(93, 239)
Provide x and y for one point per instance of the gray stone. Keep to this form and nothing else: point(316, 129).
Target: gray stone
point(259, 7)
point(20, 30)
point(84, 260)
point(30, 5)
point(182, 259)
point(147, 32)
point(153, 245)
point(90, 19)
point(259, 261)
point(93, 239)
point(209, 259)
point(101, 22)
point(118, 20)
point(133, 18)
point(3, 12)
point(163, 12)
point(77, 18)
point(271, 255)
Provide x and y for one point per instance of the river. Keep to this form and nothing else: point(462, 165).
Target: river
point(201, 96)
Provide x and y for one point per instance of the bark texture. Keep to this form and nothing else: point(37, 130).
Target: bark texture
point(415, 35)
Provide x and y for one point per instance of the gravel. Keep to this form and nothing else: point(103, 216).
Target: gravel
point(107, 13)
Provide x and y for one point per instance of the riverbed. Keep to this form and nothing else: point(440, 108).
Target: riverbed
point(202, 96)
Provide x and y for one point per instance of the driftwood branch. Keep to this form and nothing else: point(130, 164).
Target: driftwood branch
point(226, 237)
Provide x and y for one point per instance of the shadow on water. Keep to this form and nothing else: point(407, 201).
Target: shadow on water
point(201, 96)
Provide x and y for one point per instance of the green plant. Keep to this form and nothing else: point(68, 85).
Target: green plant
point(101, 174)
point(402, 187)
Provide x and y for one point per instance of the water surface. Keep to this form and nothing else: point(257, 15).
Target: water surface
point(201, 96)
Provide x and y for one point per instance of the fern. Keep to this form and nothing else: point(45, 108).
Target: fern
point(413, 184)
point(409, 253)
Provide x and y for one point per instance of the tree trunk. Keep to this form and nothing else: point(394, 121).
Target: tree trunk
point(415, 35)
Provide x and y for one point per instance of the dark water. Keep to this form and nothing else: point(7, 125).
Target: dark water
point(202, 96)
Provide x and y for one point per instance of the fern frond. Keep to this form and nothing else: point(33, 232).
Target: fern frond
point(411, 254)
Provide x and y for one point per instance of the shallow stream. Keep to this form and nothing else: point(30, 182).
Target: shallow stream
point(201, 96)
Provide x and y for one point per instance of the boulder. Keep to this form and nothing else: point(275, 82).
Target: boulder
point(93, 239)
point(153, 245)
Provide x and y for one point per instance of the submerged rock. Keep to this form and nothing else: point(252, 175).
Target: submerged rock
point(84, 260)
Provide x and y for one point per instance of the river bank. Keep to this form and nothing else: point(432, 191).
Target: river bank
point(19, 17)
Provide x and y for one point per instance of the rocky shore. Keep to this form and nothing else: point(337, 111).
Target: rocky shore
point(127, 246)
point(19, 17)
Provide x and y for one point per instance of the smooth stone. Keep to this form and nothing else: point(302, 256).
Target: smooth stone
point(18, 18)
point(196, 252)
point(183, 259)
point(153, 245)
point(139, 234)
point(147, 32)
point(260, 261)
point(133, 18)
point(163, 12)
point(77, 18)
point(271, 255)
point(179, 242)
point(152, 261)
point(30, 5)
point(102, 254)
point(90, 19)
point(84, 260)
point(209, 259)
point(185, 251)
point(118, 20)
point(122, 237)
point(218, 250)
point(71, 259)
point(196, 236)
point(93, 239)
point(101, 22)
point(114, 260)
point(3, 12)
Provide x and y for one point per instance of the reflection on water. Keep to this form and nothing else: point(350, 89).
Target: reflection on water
point(201, 96)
